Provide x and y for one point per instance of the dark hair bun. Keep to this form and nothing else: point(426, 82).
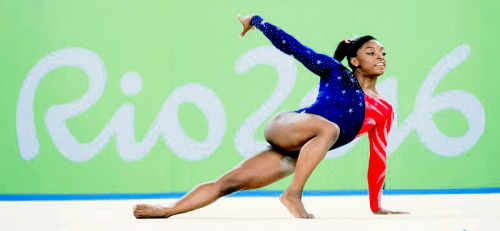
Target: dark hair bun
point(341, 51)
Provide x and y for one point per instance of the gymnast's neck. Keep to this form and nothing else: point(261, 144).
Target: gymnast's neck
point(366, 81)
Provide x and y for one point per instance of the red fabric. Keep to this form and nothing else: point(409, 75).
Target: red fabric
point(377, 123)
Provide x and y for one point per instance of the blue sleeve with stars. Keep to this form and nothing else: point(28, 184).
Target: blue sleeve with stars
point(319, 64)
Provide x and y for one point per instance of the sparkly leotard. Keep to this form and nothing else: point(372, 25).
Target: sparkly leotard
point(342, 101)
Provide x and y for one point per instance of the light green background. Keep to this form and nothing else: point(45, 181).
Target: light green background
point(170, 43)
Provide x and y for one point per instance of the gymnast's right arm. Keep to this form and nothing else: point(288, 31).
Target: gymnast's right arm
point(319, 64)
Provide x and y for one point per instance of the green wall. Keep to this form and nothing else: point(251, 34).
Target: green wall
point(156, 96)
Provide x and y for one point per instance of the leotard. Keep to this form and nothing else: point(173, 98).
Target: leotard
point(342, 101)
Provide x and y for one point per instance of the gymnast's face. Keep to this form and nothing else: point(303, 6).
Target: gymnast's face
point(370, 58)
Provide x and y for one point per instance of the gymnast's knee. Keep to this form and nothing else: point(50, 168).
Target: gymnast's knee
point(331, 131)
point(229, 185)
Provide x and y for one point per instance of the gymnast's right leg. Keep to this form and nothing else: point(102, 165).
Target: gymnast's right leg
point(258, 171)
point(313, 135)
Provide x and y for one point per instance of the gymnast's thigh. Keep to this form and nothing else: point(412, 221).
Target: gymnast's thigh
point(291, 130)
point(259, 170)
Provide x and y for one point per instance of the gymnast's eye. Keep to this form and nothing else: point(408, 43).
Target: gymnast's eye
point(370, 53)
point(384, 53)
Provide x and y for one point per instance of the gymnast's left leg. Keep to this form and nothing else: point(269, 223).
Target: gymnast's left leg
point(258, 171)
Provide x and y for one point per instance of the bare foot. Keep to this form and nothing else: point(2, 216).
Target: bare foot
point(295, 206)
point(150, 211)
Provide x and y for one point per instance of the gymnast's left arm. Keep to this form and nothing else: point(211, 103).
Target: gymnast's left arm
point(319, 64)
point(377, 166)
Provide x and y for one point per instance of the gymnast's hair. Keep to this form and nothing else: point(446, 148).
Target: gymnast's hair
point(349, 48)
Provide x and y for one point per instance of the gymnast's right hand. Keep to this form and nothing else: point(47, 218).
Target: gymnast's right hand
point(382, 211)
point(246, 21)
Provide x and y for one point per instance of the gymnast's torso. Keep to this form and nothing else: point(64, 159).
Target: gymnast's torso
point(340, 100)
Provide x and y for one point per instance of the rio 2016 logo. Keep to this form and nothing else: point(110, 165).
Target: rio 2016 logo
point(167, 123)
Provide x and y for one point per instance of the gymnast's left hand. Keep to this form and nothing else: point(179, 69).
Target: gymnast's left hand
point(246, 21)
point(388, 212)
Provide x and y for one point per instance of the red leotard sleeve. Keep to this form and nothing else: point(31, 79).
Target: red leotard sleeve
point(378, 161)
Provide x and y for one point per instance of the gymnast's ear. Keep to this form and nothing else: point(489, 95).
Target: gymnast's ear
point(354, 62)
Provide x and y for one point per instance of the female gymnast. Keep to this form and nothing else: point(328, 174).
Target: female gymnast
point(348, 105)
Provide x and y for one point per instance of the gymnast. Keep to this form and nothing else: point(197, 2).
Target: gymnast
point(348, 105)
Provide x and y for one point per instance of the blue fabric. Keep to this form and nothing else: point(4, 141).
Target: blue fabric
point(340, 99)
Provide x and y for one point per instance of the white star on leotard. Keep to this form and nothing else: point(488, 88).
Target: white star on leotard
point(357, 91)
point(350, 110)
point(339, 77)
point(319, 62)
point(360, 104)
point(283, 41)
point(343, 92)
point(327, 85)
